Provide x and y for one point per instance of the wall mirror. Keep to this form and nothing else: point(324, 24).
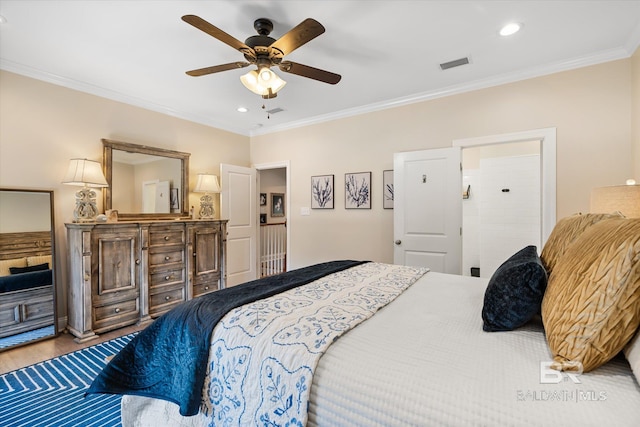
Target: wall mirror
point(145, 182)
point(27, 276)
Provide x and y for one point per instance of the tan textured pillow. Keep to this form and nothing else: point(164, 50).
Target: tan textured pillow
point(591, 307)
point(565, 232)
point(37, 260)
point(6, 263)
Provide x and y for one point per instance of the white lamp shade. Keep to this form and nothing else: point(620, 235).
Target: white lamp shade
point(207, 184)
point(618, 198)
point(85, 173)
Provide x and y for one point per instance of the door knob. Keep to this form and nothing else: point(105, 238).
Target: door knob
point(398, 242)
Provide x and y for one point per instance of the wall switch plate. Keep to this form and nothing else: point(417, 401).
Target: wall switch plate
point(305, 211)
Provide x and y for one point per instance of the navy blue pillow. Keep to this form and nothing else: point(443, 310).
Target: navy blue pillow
point(514, 293)
point(29, 269)
point(17, 282)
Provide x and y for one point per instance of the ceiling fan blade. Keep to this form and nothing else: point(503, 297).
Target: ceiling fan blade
point(304, 32)
point(217, 68)
point(216, 32)
point(310, 72)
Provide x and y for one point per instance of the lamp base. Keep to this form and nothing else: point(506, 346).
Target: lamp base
point(206, 207)
point(86, 209)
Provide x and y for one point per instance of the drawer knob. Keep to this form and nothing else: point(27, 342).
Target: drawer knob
point(137, 262)
point(117, 310)
point(167, 258)
point(167, 277)
point(167, 298)
point(166, 237)
point(206, 288)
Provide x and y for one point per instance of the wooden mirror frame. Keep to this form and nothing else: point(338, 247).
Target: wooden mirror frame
point(18, 244)
point(107, 164)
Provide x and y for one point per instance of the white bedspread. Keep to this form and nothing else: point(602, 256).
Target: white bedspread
point(424, 360)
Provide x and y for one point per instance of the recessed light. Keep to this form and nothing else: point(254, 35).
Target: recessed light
point(242, 109)
point(510, 29)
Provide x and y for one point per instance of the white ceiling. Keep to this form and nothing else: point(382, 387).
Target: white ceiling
point(388, 52)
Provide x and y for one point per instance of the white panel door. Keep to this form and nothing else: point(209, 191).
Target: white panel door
point(162, 197)
point(427, 217)
point(509, 208)
point(155, 196)
point(238, 205)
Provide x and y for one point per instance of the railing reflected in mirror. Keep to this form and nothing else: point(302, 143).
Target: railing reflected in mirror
point(27, 267)
point(145, 182)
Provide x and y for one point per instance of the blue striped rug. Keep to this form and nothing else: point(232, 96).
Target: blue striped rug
point(51, 393)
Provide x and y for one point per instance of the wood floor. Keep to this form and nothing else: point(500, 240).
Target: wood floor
point(26, 355)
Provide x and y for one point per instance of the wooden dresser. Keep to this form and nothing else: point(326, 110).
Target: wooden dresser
point(129, 272)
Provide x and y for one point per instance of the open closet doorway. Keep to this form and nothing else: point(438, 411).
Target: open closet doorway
point(508, 196)
point(273, 213)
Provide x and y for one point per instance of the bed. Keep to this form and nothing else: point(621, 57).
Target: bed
point(417, 347)
point(26, 282)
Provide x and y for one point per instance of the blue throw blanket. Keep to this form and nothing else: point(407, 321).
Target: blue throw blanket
point(168, 359)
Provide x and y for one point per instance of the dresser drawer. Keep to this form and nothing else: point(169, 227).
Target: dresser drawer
point(166, 237)
point(115, 314)
point(159, 258)
point(114, 296)
point(166, 277)
point(205, 288)
point(162, 302)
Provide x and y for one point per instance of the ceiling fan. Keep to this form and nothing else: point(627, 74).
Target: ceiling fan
point(266, 52)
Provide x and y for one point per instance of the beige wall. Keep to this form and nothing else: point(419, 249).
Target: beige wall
point(635, 113)
point(590, 107)
point(42, 126)
point(595, 110)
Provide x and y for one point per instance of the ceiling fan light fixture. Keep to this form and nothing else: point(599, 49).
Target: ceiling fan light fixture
point(276, 83)
point(265, 75)
point(269, 88)
point(250, 80)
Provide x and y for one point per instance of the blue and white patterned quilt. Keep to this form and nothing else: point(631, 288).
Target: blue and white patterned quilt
point(263, 354)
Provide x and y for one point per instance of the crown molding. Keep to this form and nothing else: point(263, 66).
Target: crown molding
point(578, 62)
point(112, 95)
point(571, 64)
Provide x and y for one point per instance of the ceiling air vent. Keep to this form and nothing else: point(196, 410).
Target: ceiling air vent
point(275, 110)
point(454, 63)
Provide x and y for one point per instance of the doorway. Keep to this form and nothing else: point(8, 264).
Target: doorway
point(274, 209)
point(501, 204)
point(516, 205)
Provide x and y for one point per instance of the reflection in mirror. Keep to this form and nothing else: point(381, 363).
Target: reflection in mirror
point(145, 182)
point(27, 277)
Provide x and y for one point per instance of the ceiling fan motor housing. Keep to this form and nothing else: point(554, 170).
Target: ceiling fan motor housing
point(260, 43)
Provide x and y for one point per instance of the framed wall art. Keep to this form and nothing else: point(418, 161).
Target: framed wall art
point(357, 190)
point(263, 199)
point(277, 204)
point(322, 192)
point(174, 200)
point(387, 189)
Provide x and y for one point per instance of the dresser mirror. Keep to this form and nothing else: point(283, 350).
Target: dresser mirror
point(145, 182)
point(27, 264)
